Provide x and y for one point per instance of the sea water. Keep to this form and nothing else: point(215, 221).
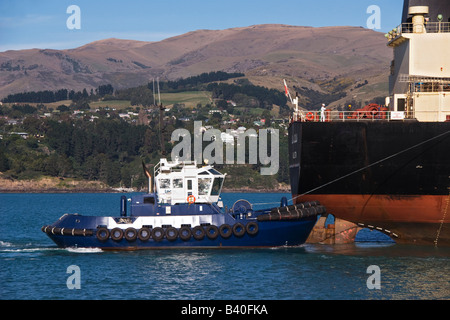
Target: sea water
point(32, 267)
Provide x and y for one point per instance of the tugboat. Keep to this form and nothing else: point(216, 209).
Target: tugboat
point(186, 211)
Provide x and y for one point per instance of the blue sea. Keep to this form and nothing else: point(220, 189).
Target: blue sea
point(32, 267)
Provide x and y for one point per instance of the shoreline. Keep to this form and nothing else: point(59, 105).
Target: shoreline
point(58, 185)
point(112, 190)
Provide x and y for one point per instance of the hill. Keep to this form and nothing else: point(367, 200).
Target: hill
point(308, 57)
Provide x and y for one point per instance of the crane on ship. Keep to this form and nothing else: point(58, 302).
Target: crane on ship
point(297, 113)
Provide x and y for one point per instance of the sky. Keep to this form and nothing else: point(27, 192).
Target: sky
point(43, 24)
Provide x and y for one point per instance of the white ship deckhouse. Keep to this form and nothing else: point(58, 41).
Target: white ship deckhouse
point(419, 83)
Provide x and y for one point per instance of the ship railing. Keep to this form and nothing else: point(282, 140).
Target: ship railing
point(176, 166)
point(426, 83)
point(350, 116)
point(157, 169)
point(429, 27)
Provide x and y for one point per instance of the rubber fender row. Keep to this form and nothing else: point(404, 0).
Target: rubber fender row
point(303, 205)
point(67, 231)
point(184, 233)
point(294, 212)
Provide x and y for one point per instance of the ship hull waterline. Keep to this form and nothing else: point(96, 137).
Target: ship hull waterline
point(394, 216)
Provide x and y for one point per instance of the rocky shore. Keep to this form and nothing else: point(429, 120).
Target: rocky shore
point(51, 185)
point(66, 185)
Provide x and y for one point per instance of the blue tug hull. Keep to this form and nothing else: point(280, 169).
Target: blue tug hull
point(284, 226)
point(275, 234)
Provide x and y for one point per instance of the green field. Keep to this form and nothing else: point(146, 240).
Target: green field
point(116, 104)
point(189, 98)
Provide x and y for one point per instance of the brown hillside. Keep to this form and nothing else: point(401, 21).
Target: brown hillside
point(266, 53)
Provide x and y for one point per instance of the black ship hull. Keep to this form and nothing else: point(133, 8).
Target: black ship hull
point(390, 176)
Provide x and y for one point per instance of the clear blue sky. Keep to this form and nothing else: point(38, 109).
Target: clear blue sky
point(26, 24)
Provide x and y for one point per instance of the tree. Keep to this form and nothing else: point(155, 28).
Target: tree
point(51, 165)
point(61, 95)
point(113, 176)
point(85, 94)
point(63, 108)
point(142, 96)
point(4, 162)
point(32, 125)
point(222, 104)
point(267, 116)
point(103, 90)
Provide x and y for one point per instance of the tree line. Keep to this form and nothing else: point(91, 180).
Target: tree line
point(245, 93)
point(48, 96)
point(261, 96)
point(193, 83)
point(107, 150)
point(45, 96)
point(102, 150)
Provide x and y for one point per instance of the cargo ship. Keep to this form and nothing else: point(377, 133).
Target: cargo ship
point(387, 168)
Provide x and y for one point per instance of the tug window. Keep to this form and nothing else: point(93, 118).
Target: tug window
point(214, 172)
point(164, 183)
point(203, 186)
point(177, 183)
point(149, 200)
point(217, 186)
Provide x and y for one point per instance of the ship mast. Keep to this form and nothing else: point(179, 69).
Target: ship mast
point(161, 114)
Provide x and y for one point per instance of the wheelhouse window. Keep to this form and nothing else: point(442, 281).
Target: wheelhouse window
point(214, 172)
point(177, 183)
point(203, 186)
point(164, 183)
point(217, 186)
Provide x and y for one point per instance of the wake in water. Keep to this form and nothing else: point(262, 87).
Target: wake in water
point(84, 250)
point(5, 244)
point(8, 247)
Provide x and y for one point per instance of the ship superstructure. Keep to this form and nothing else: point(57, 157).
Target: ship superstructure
point(419, 83)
